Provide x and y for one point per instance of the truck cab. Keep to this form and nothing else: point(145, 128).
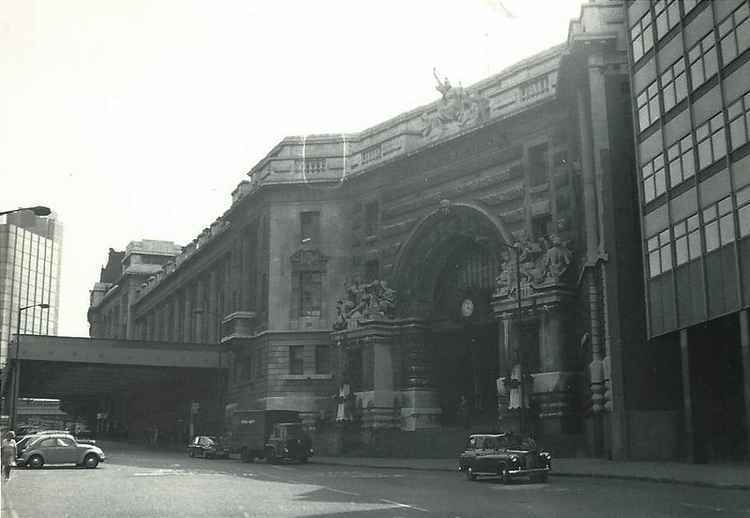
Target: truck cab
point(288, 441)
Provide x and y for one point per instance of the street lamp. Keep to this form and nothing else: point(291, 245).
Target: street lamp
point(39, 210)
point(17, 362)
point(517, 250)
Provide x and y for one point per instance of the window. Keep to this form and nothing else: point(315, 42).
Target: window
point(311, 286)
point(654, 179)
point(739, 121)
point(688, 5)
point(641, 36)
point(322, 359)
point(309, 227)
point(674, 84)
point(687, 239)
point(743, 211)
point(371, 218)
point(718, 224)
point(297, 359)
point(703, 62)
point(372, 270)
point(734, 33)
point(681, 161)
point(712, 144)
point(648, 106)
point(659, 254)
point(667, 16)
point(538, 164)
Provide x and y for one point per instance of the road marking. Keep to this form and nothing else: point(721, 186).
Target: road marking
point(703, 506)
point(342, 491)
point(406, 506)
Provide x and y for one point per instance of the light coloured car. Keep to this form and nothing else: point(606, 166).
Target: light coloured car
point(60, 449)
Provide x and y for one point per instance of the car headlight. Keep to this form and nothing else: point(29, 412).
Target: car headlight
point(546, 455)
point(514, 459)
point(286, 450)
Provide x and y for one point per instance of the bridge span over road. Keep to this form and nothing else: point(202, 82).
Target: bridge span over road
point(124, 387)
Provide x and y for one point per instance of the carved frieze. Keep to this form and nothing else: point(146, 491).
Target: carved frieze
point(308, 259)
point(370, 301)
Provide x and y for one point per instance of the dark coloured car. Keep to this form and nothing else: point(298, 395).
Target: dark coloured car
point(59, 449)
point(506, 456)
point(288, 442)
point(208, 447)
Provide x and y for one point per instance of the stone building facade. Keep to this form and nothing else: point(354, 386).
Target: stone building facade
point(470, 260)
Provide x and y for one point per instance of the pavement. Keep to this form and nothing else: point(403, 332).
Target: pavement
point(727, 476)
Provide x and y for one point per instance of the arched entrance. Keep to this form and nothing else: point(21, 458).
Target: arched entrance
point(445, 276)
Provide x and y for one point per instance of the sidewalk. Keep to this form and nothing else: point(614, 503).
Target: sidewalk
point(719, 476)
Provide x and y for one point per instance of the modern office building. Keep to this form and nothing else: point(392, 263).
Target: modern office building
point(30, 257)
point(397, 240)
point(690, 76)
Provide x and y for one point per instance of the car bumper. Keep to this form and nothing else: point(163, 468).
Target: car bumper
point(527, 472)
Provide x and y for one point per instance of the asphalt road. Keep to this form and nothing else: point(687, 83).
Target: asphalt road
point(140, 483)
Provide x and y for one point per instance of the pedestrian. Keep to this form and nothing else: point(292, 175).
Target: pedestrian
point(8, 453)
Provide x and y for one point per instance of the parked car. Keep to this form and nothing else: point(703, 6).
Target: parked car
point(208, 447)
point(288, 441)
point(505, 455)
point(59, 449)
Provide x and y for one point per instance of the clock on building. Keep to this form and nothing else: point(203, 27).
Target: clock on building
point(467, 308)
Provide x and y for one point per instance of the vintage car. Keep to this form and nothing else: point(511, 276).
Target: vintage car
point(504, 455)
point(288, 442)
point(208, 447)
point(59, 449)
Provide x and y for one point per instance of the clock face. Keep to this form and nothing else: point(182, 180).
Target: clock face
point(467, 308)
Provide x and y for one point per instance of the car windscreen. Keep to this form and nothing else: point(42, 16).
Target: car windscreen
point(294, 432)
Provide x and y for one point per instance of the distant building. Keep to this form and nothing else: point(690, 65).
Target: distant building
point(109, 310)
point(30, 256)
point(690, 69)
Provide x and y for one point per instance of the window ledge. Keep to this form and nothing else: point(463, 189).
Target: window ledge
point(304, 377)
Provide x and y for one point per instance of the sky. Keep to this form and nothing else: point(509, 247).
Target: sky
point(135, 119)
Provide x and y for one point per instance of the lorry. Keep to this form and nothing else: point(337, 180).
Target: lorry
point(274, 435)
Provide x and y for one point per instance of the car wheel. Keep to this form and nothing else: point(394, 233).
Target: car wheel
point(91, 461)
point(35, 461)
point(470, 475)
point(271, 456)
point(191, 452)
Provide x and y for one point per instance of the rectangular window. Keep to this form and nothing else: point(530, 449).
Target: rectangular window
point(687, 240)
point(297, 359)
point(718, 224)
point(538, 164)
point(309, 227)
point(703, 61)
point(322, 359)
point(739, 121)
point(711, 138)
point(688, 5)
point(648, 105)
point(654, 178)
point(311, 287)
point(743, 211)
point(674, 84)
point(667, 16)
point(734, 33)
point(659, 254)
point(641, 36)
point(371, 218)
point(681, 161)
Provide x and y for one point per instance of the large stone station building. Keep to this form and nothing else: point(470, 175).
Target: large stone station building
point(476, 259)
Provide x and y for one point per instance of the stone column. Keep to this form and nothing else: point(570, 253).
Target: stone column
point(687, 401)
point(505, 365)
point(420, 408)
point(188, 327)
point(745, 343)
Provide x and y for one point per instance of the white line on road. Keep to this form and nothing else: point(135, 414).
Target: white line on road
point(702, 506)
point(406, 506)
point(342, 491)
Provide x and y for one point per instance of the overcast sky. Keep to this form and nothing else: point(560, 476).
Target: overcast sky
point(136, 119)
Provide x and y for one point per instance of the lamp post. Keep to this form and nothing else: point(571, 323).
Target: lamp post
point(17, 363)
point(517, 250)
point(39, 210)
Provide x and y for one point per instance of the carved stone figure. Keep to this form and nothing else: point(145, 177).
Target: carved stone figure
point(557, 259)
point(365, 302)
point(457, 107)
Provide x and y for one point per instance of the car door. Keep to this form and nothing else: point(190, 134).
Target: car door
point(67, 451)
point(47, 447)
point(480, 460)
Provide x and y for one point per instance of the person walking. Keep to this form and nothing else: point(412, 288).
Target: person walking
point(8, 453)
